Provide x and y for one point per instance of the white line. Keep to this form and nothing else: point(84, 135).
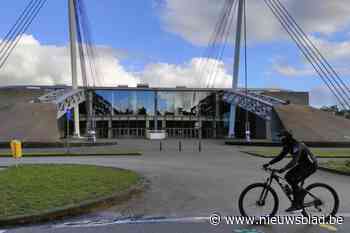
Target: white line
point(2, 231)
point(131, 221)
point(345, 215)
point(106, 222)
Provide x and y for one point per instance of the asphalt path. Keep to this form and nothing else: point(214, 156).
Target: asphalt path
point(184, 185)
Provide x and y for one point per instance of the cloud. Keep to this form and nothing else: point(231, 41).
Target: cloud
point(334, 50)
point(194, 20)
point(190, 74)
point(290, 71)
point(321, 96)
point(33, 63)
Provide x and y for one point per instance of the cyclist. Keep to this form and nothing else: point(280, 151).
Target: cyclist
point(302, 165)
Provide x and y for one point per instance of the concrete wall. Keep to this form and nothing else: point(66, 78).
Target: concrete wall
point(313, 125)
point(15, 95)
point(29, 122)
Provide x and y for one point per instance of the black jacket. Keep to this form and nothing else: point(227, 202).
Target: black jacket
point(301, 155)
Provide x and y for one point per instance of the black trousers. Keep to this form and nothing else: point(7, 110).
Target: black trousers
point(296, 175)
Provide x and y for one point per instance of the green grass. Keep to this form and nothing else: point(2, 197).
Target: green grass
point(321, 153)
point(74, 154)
point(33, 189)
point(342, 166)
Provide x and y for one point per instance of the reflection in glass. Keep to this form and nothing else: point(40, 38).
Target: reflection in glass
point(102, 103)
point(133, 102)
point(170, 103)
point(185, 103)
point(175, 103)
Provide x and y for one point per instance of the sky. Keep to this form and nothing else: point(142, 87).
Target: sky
point(161, 42)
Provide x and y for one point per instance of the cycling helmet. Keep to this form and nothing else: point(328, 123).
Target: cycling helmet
point(286, 137)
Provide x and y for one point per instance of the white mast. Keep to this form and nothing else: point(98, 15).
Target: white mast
point(73, 51)
point(232, 119)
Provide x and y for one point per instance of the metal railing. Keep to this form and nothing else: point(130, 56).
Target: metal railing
point(182, 132)
point(171, 133)
point(128, 132)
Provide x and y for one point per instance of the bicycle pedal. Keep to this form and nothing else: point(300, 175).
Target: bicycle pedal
point(295, 211)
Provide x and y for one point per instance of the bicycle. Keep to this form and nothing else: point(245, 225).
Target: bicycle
point(316, 197)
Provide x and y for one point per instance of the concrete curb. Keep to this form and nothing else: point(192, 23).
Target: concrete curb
point(278, 144)
point(33, 145)
point(253, 143)
point(74, 210)
point(322, 168)
point(39, 155)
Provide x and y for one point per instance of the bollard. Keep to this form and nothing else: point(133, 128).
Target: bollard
point(180, 146)
point(160, 146)
point(200, 146)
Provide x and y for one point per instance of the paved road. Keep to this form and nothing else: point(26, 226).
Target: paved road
point(180, 228)
point(184, 184)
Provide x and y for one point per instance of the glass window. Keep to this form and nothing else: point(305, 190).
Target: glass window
point(133, 102)
point(176, 103)
point(170, 103)
point(102, 102)
point(186, 103)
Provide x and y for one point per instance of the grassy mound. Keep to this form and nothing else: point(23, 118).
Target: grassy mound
point(341, 166)
point(33, 189)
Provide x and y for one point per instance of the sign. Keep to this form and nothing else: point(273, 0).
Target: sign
point(16, 149)
point(69, 115)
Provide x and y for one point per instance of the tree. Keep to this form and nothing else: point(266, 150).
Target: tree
point(337, 111)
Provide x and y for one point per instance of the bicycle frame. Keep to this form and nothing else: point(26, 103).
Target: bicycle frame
point(278, 179)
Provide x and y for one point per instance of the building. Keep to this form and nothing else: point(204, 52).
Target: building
point(38, 113)
point(182, 112)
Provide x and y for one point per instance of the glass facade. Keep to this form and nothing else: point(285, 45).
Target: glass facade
point(169, 103)
point(175, 103)
point(123, 102)
point(183, 113)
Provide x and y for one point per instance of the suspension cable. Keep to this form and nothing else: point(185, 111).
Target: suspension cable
point(305, 52)
point(219, 56)
point(90, 49)
point(216, 41)
point(315, 53)
point(313, 45)
point(309, 55)
point(9, 36)
point(21, 26)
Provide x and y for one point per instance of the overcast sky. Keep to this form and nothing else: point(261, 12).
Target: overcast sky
point(160, 42)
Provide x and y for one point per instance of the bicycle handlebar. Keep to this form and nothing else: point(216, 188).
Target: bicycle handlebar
point(270, 169)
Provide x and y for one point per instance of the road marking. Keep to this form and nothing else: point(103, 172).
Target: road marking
point(97, 223)
point(328, 227)
point(106, 222)
point(345, 215)
point(2, 231)
point(247, 231)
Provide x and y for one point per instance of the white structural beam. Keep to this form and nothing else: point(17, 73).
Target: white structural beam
point(73, 51)
point(64, 99)
point(236, 66)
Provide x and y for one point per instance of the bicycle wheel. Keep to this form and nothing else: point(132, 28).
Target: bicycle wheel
point(251, 204)
point(321, 201)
